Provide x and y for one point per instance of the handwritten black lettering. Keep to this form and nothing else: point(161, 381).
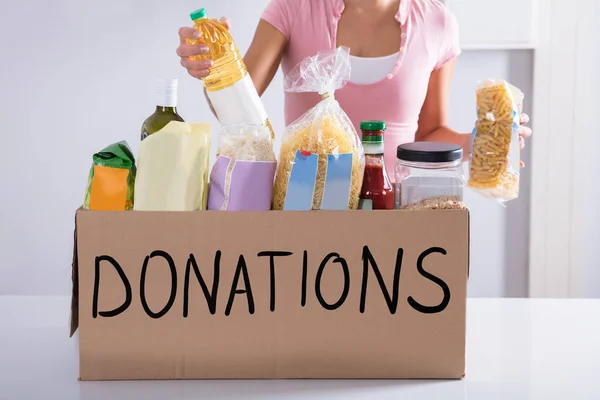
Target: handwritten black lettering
point(241, 269)
point(167, 307)
point(368, 259)
point(211, 297)
point(272, 255)
point(346, 289)
point(126, 284)
point(446, 300)
point(304, 277)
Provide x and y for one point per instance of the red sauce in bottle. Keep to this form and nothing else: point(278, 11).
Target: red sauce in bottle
point(377, 192)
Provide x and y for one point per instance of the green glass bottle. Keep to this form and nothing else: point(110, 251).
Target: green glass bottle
point(166, 107)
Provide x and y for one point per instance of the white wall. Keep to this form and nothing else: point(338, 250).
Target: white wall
point(592, 228)
point(499, 235)
point(79, 75)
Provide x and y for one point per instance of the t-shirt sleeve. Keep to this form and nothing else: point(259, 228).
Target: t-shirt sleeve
point(279, 14)
point(450, 43)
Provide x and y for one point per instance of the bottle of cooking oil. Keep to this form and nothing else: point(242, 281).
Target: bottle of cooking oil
point(228, 85)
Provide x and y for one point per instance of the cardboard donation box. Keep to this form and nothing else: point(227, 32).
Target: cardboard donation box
point(277, 294)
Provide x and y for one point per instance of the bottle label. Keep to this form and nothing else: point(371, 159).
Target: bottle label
point(300, 194)
point(166, 92)
point(365, 204)
point(373, 148)
point(239, 104)
point(239, 185)
point(166, 99)
point(301, 184)
point(338, 180)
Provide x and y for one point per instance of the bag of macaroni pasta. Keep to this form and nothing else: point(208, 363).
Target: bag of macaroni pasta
point(242, 177)
point(321, 161)
point(495, 151)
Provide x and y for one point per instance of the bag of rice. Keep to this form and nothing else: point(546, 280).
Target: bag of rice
point(242, 177)
point(111, 180)
point(495, 150)
point(321, 161)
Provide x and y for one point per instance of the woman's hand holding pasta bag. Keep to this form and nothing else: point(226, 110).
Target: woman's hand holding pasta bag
point(524, 132)
point(196, 68)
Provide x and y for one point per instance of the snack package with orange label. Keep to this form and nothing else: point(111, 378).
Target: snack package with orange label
point(111, 180)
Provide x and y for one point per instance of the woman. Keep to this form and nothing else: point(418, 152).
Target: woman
point(403, 54)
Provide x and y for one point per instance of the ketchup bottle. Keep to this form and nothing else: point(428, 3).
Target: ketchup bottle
point(377, 192)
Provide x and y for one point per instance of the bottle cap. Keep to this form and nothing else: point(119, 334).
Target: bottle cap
point(200, 13)
point(166, 92)
point(429, 152)
point(372, 136)
point(372, 126)
point(372, 139)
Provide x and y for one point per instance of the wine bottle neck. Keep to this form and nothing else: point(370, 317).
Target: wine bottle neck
point(166, 99)
point(166, 110)
point(166, 93)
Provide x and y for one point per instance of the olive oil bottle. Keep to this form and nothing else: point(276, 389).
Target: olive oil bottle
point(166, 107)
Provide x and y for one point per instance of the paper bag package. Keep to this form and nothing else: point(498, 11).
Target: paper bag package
point(202, 295)
point(173, 168)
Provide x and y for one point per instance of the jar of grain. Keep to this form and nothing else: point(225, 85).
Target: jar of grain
point(429, 175)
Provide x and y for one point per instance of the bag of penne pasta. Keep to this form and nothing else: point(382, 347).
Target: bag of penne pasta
point(495, 150)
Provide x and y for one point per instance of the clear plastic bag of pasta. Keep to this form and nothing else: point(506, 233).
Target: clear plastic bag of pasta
point(321, 161)
point(495, 151)
point(242, 177)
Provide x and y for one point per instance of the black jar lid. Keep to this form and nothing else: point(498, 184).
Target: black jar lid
point(429, 152)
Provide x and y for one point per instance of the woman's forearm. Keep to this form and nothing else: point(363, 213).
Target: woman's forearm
point(447, 135)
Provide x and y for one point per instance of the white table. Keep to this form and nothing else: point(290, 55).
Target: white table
point(516, 349)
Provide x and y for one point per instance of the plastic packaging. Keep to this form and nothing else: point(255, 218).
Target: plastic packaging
point(228, 86)
point(111, 179)
point(429, 175)
point(242, 177)
point(321, 162)
point(173, 169)
point(495, 150)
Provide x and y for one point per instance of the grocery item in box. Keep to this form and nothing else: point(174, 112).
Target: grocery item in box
point(495, 150)
point(429, 175)
point(166, 107)
point(229, 87)
point(242, 177)
point(377, 192)
point(111, 179)
point(173, 168)
point(321, 162)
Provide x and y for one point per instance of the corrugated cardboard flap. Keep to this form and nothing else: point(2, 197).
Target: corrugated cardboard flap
point(469, 244)
point(75, 282)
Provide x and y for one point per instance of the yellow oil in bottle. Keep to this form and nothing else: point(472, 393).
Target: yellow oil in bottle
point(229, 66)
point(228, 70)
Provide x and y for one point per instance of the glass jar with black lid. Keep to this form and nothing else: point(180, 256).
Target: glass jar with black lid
point(428, 172)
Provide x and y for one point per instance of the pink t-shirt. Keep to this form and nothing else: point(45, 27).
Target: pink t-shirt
point(429, 39)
